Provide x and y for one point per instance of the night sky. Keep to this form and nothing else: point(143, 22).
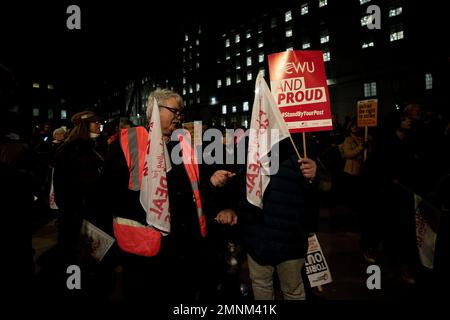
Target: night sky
point(117, 39)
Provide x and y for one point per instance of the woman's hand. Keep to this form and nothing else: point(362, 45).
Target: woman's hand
point(308, 167)
point(220, 177)
point(227, 216)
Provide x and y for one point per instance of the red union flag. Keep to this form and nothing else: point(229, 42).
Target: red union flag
point(154, 195)
point(266, 129)
point(299, 86)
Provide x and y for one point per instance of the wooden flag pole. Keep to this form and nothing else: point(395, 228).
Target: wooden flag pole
point(366, 129)
point(295, 148)
point(304, 145)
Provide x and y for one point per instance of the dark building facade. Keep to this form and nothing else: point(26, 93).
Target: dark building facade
point(398, 63)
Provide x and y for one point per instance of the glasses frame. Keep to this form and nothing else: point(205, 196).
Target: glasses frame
point(177, 112)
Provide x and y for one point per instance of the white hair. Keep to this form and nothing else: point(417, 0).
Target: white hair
point(58, 130)
point(161, 95)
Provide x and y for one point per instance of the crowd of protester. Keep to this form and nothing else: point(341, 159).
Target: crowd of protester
point(377, 176)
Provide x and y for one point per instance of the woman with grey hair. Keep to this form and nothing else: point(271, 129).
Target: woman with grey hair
point(170, 106)
point(182, 267)
point(59, 135)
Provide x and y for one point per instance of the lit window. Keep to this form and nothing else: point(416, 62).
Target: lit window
point(197, 42)
point(324, 36)
point(248, 35)
point(190, 89)
point(238, 78)
point(396, 32)
point(289, 47)
point(237, 39)
point(288, 32)
point(228, 81)
point(186, 37)
point(367, 44)
point(63, 114)
point(273, 23)
point(197, 87)
point(245, 106)
point(36, 85)
point(249, 75)
point(261, 57)
point(227, 56)
point(213, 100)
point(395, 10)
point(218, 60)
point(219, 83)
point(227, 43)
point(304, 9)
point(244, 122)
point(35, 112)
point(249, 48)
point(184, 91)
point(428, 81)
point(238, 65)
point(370, 89)
point(288, 16)
point(306, 44)
point(184, 49)
point(322, 3)
point(184, 80)
point(223, 122)
point(260, 29)
point(198, 99)
point(365, 20)
point(50, 87)
point(249, 61)
point(197, 64)
point(224, 109)
point(363, 1)
point(233, 109)
point(326, 55)
point(50, 113)
point(260, 43)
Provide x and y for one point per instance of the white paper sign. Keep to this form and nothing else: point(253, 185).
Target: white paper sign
point(425, 236)
point(96, 242)
point(316, 266)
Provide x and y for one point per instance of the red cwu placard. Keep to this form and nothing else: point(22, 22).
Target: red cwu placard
point(299, 85)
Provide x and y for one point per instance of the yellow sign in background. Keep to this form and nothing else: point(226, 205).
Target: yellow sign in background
point(367, 113)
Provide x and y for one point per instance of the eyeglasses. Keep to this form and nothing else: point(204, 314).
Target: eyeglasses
point(176, 112)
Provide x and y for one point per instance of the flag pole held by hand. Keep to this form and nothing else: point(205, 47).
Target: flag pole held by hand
point(295, 148)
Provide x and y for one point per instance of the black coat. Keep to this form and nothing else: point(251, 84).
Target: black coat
point(279, 232)
point(78, 168)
